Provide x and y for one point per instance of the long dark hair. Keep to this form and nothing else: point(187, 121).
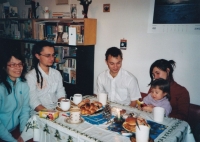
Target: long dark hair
point(37, 48)
point(163, 85)
point(163, 65)
point(5, 58)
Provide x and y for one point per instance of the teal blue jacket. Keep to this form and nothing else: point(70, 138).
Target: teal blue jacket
point(14, 108)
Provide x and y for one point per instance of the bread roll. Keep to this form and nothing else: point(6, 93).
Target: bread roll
point(87, 106)
point(81, 104)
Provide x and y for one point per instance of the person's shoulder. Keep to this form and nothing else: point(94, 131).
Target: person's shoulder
point(103, 73)
point(31, 72)
point(177, 86)
point(128, 74)
point(54, 71)
point(24, 84)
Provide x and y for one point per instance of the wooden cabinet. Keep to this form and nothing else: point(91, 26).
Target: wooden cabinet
point(21, 34)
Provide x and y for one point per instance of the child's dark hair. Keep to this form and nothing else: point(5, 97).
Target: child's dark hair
point(163, 85)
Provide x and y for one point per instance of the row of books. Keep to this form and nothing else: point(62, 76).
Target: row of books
point(64, 52)
point(16, 29)
point(47, 29)
point(69, 75)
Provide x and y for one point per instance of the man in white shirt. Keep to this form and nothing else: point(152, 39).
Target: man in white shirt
point(46, 84)
point(120, 85)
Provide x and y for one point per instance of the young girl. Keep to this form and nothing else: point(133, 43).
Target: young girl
point(159, 96)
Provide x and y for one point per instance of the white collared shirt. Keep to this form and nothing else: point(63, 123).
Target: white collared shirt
point(52, 88)
point(121, 89)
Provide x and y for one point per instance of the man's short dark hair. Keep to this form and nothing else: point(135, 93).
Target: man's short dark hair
point(113, 51)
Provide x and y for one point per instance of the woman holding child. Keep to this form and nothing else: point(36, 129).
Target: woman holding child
point(180, 99)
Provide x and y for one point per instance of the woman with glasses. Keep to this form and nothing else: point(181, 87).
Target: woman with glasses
point(14, 96)
point(46, 84)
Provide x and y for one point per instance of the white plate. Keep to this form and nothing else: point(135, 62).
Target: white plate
point(67, 120)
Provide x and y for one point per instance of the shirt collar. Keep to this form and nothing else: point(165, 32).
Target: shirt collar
point(10, 81)
point(118, 74)
point(41, 70)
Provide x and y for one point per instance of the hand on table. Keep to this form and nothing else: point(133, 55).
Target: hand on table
point(148, 108)
point(20, 139)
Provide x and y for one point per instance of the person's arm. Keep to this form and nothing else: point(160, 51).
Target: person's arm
point(35, 103)
point(133, 103)
point(183, 103)
point(39, 108)
point(25, 112)
point(134, 91)
point(100, 88)
point(60, 91)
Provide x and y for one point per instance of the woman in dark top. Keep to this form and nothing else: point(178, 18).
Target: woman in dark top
point(180, 98)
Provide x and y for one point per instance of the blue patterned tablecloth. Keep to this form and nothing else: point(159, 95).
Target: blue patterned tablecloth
point(95, 119)
point(155, 131)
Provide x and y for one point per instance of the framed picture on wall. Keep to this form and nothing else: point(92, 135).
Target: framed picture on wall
point(27, 2)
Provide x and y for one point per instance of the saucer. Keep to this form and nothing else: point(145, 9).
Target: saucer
point(59, 109)
point(68, 121)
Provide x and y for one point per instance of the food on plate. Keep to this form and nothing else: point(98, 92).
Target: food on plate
point(140, 103)
point(122, 112)
point(142, 121)
point(88, 108)
point(130, 123)
point(83, 102)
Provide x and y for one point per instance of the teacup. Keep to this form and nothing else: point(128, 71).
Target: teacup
point(64, 104)
point(75, 115)
point(77, 98)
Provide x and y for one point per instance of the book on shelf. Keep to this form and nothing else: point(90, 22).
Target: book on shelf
point(69, 75)
point(59, 53)
point(70, 63)
point(72, 36)
point(65, 51)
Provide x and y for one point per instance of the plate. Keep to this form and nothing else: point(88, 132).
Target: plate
point(97, 112)
point(67, 120)
point(59, 109)
point(128, 128)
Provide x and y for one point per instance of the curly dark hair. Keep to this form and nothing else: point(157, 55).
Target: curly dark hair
point(37, 48)
point(5, 58)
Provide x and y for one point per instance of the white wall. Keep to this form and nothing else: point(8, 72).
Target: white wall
point(129, 19)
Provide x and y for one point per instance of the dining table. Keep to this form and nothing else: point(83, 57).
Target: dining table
point(98, 129)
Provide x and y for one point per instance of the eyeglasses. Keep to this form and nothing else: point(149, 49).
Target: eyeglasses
point(49, 55)
point(16, 65)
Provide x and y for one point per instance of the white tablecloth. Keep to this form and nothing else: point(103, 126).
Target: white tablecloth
point(50, 131)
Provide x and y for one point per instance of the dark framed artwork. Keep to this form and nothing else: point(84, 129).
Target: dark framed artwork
point(106, 7)
point(27, 2)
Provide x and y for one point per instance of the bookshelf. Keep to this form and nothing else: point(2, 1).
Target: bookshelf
point(78, 58)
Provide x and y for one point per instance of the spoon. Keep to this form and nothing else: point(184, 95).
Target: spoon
point(137, 124)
